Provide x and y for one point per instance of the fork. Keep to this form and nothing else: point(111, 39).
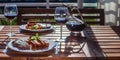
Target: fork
point(56, 47)
point(6, 41)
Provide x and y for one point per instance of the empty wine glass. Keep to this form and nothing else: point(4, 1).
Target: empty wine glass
point(10, 12)
point(61, 17)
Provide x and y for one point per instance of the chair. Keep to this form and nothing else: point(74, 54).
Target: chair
point(24, 14)
point(91, 16)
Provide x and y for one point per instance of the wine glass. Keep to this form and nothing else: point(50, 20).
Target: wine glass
point(61, 17)
point(10, 12)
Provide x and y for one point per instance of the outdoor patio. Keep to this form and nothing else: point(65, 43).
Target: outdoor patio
point(88, 30)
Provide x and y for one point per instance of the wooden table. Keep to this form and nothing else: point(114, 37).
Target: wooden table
point(97, 42)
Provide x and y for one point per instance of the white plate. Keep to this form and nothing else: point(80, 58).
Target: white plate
point(52, 44)
point(49, 27)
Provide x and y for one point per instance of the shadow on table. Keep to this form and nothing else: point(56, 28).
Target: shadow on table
point(116, 29)
point(78, 44)
point(93, 44)
point(73, 45)
point(4, 42)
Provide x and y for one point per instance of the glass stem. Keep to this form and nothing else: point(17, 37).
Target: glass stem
point(60, 31)
point(10, 26)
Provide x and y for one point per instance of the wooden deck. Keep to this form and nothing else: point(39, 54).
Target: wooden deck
point(98, 42)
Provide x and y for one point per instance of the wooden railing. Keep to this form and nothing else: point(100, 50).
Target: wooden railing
point(48, 14)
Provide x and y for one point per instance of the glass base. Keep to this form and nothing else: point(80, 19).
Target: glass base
point(11, 34)
point(75, 33)
point(60, 40)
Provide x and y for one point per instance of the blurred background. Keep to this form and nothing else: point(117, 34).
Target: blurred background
point(111, 7)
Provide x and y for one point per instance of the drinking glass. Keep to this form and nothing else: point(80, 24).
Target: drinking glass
point(10, 12)
point(61, 17)
point(76, 25)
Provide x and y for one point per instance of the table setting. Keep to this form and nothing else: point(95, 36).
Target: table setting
point(31, 44)
point(71, 37)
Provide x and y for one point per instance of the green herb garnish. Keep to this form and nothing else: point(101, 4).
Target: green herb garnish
point(36, 37)
point(33, 27)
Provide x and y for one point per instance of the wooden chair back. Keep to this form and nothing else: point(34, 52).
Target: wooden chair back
point(26, 14)
point(91, 16)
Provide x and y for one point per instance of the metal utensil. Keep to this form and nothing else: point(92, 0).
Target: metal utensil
point(56, 47)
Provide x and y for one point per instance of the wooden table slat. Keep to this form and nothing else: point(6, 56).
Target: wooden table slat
point(99, 41)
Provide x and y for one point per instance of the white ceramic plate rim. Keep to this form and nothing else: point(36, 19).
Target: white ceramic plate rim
point(52, 44)
point(23, 27)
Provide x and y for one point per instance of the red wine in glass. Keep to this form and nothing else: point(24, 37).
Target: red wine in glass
point(10, 16)
point(75, 26)
point(61, 20)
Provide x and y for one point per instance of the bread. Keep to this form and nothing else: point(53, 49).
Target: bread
point(33, 25)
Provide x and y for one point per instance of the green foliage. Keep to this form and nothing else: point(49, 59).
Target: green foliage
point(4, 21)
